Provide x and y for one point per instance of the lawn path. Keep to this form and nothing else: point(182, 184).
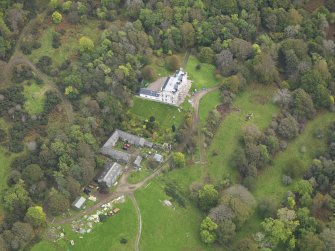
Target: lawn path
point(139, 217)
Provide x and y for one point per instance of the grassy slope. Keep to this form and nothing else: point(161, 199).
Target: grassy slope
point(35, 98)
point(165, 228)
point(255, 99)
point(269, 182)
point(208, 103)
point(166, 115)
point(184, 177)
point(104, 236)
point(69, 42)
point(205, 77)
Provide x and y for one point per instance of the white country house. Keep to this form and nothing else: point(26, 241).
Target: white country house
point(171, 90)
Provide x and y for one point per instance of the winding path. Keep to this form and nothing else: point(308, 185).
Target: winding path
point(196, 121)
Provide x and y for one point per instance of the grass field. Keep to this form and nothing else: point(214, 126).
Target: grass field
point(35, 98)
point(208, 103)
point(255, 99)
point(204, 77)
point(165, 228)
point(166, 115)
point(69, 42)
point(104, 236)
point(137, 176)
point(184, 177)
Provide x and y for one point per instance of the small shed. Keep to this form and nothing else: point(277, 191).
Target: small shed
point(158, 158)
point(137, 162)
point(79, 203)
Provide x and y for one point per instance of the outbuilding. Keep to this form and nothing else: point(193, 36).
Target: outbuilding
point(79, 203)
point(158, 158)
point(137, 162)
point(110, 174)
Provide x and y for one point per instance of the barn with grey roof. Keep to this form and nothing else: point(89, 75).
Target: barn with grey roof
point(110, 174)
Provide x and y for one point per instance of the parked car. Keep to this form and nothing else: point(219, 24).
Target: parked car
point(87, 191)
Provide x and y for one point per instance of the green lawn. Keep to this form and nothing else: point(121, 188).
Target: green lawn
point(139, 175)
point(184, 177)
point(69, 42)
point(204, 77)
point(208, 103)
point(165, 228)
point(104, 236)
point(255, 99)
point(35, 98)
point(166, 115)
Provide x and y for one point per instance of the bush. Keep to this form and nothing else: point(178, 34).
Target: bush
point(287, 180)
point(123, 241)
point(249, 182)
point(103, 217)
point(56, 40)
point(172, 191)
point(294, 168)
point(56, 17)
point(148, 73)
point(288, 128)
point(173, 63)
point(267, 208)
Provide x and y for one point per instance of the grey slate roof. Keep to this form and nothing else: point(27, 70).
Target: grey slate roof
point(145, 91)
point(115, 154)
point(137, 162)
point(110, 173)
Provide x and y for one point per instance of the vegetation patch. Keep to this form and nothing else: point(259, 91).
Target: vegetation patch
point(305, 147)
point(269, 183)
point(34, 95)
point(69, 42)
point(207, 104)
point(5, 160)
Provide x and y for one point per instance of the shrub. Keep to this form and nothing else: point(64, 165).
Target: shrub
point(57, 17)
point(173, 63)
